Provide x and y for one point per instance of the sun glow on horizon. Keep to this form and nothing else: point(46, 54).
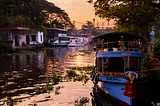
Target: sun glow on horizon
point(79, 11)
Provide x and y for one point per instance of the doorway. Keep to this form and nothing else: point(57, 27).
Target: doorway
point(27, 39)
point(16, 40)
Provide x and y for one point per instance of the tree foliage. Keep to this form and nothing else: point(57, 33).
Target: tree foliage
point(130, 15)
point(156, 49)
point(89, 28)
point(32, 13)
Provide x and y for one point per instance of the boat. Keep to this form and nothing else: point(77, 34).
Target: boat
point(57, 37)
point(51, 43)
point(77, 41)
point(119, 71)
point(61, 41)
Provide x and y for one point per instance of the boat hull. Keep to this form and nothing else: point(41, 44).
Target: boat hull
point(110, 99)
point(114, 87)
point(75, 45)
point(55, 44)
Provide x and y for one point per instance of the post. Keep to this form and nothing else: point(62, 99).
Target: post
point(102, 65)
point(128, 57)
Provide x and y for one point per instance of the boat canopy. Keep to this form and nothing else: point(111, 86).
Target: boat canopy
point(116, 36)
point(120, 54)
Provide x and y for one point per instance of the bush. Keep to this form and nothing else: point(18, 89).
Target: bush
point(5, 47)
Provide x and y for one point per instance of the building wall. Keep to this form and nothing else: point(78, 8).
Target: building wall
point(33, 42)
point(40, 37)
point(11, 38)
point(22, 38)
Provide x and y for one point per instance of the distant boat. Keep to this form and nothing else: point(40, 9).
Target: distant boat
point(51, 43)
point(77, 41)
point(118, 72)
point(57, 37)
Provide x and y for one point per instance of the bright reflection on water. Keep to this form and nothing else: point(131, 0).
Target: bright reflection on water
point(20, 73)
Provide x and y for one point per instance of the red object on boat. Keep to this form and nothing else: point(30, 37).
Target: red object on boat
point(129, 90)
point(154, 59)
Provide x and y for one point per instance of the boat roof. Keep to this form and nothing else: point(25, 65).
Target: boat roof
point(57, 29)
point(120, 54)
point(116, 36)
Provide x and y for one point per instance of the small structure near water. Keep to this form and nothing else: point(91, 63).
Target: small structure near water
point(21, 37)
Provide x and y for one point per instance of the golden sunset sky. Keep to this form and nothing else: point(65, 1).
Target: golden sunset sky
point(79, 11)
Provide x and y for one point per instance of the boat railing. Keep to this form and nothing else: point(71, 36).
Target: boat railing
point(121, 74)
point(118, 45)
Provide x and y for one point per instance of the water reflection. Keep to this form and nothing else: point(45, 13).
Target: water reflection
point(57, 56)
point(69, 57)
point(22, 73)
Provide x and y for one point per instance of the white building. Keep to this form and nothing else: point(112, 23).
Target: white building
point(21, 36)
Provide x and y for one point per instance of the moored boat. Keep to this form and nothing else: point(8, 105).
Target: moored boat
point(119, 70)
point(60, 43)
point(77, 41)
point(57, 37)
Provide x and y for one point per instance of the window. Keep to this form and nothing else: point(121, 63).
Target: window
point(99, 64)
point(116, 64)
point(33, 37)
point(134, 64)
point(106, 65)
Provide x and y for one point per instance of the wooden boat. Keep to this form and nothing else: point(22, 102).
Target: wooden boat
point(119, 68)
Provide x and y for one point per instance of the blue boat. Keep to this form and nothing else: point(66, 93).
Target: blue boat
point(119, 69)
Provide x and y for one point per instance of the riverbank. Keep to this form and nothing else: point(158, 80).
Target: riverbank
point(25, 49)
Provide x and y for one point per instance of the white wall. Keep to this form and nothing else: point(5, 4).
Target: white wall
point(40, 37)
point(22, 38)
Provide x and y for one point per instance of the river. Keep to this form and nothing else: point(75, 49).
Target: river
point(19, 73)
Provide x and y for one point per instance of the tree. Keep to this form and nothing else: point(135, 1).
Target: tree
point(156, 49)
point(89, 28)
point(31, 13)
point(136, 16)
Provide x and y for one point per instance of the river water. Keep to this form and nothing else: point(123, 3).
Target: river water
point(20, 73)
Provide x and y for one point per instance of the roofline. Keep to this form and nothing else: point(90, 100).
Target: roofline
point(15, 29)
point(59, 29)
point(120, 33)
point(108, 33)
point(125, 54)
